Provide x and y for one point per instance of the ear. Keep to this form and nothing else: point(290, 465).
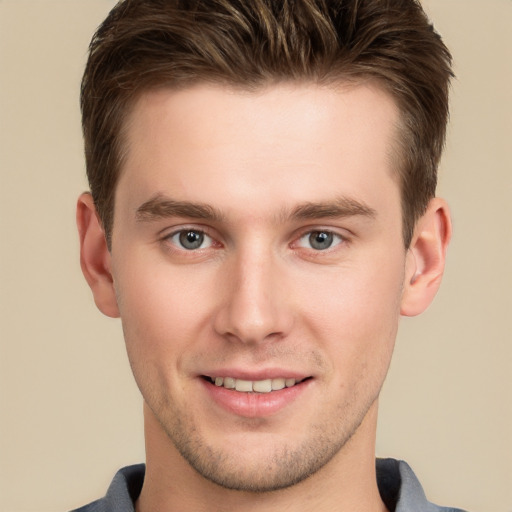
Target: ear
point(95, 258)
point(426, 257)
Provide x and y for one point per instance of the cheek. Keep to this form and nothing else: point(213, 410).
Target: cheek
point(157, 297)
point(162, 312)
point(356, 315)
point(155, 327)
point(356, 298)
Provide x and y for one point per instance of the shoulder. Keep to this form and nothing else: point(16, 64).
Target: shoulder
point(122, 492)
point(401, 490)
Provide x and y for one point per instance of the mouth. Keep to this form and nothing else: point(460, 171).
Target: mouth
point(257, 397)
point(254, 386)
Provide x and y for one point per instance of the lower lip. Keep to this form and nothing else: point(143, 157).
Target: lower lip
point(254, 405)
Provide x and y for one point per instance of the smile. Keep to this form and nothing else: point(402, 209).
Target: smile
point(255, 398)
point(253, 386)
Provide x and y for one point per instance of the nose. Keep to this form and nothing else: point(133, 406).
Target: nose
point(253, 307)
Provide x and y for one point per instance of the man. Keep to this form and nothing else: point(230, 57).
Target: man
point(262, 211)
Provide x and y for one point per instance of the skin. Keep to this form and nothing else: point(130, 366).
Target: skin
point(268, 173)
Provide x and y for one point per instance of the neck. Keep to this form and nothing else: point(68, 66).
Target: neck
point(346, 483)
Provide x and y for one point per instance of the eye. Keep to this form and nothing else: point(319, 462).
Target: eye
point(320, 240)
point(191, 239)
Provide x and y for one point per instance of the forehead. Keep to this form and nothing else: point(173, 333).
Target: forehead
point(278, 144)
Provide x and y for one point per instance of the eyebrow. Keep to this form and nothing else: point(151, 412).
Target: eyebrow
point(339, 208)
point(161, 207)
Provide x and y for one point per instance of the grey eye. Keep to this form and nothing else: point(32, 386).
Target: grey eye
point(190, 239)
point(320, 240)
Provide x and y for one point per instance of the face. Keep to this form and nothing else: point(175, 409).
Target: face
point(258, 264)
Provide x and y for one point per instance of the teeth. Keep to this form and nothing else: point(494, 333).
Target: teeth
point(229, 383)
point(257, 386)
point(278, 384)
point(243, 385)
point(262, 386)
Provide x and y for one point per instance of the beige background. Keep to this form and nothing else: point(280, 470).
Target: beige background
point(70, 413)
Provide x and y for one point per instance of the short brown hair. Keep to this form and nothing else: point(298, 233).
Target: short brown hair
point(145, 44)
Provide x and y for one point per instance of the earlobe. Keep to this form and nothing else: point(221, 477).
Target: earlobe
point(95, 258)
point(426, 257)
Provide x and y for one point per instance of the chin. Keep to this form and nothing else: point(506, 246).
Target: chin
point(267, 466)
